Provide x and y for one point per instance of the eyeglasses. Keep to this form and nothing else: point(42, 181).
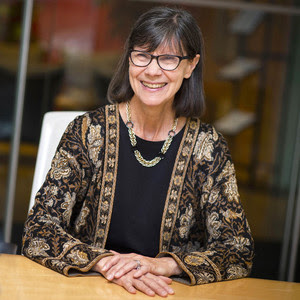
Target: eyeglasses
point(167, 62)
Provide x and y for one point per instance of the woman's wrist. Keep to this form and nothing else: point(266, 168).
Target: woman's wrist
point(96, 267)
point(173, 266)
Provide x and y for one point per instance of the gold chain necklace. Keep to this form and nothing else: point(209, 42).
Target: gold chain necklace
point(137, 153)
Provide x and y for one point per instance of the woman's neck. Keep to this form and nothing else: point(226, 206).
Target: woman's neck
point(151, 123)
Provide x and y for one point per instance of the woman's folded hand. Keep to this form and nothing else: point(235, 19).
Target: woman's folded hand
point(148, 284)
point(137, 272)
point(118, 265)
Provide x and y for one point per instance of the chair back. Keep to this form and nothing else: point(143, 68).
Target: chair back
point(53, 127)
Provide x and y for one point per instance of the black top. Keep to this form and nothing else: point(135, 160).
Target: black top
point(140, 196)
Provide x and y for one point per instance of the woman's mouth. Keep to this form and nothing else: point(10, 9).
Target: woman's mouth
point(153, 85)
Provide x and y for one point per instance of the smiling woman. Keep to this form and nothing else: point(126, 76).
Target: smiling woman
point(150, 192)
point(173, 34)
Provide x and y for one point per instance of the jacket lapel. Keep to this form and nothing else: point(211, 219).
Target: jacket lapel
point(176, 183)
point(110, 167)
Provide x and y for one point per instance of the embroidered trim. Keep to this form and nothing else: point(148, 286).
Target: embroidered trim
point(63, 253)
point(114, 136)
point(84, 128)
point(109, 175)
point(216, 269)
point(87, 267)
point(176, 183)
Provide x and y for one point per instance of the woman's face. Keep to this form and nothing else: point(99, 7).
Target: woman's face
point(154, 86)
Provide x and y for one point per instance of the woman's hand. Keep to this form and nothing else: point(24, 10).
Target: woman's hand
point(118, 265)
point(148, 284)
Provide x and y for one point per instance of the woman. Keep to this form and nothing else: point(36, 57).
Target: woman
point(142, 190)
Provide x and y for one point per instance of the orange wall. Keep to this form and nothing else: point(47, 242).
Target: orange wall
point(75, 25)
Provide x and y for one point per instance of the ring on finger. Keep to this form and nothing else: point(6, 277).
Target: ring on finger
point(138, 264)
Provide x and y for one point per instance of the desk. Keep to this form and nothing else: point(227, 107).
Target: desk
point(20, 278)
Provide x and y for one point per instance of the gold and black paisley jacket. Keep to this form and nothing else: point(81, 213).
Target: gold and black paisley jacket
point(203, 225)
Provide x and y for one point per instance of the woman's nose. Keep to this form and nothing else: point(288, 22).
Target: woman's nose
point(153, 68)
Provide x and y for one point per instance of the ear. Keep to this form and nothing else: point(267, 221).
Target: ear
point(191, 66)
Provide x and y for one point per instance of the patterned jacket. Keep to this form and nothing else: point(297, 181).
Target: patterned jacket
point(203, 224)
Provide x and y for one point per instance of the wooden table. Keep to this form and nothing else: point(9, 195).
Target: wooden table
point(20, 278)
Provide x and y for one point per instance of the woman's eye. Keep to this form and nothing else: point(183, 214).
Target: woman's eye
point(168, 59)
point(142, 56)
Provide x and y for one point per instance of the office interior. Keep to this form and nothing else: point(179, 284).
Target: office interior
point(251, 80)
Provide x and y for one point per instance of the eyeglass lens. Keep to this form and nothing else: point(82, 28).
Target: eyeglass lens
point(166, 62)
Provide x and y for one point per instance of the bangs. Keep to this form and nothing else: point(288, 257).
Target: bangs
point(169, 43)
point(165, 36)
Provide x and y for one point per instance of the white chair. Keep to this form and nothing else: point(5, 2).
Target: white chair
point(54, 125)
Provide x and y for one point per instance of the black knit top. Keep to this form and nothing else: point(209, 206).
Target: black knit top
point(140, 196)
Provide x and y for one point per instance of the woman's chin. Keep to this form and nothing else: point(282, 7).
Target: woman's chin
point(154, 101)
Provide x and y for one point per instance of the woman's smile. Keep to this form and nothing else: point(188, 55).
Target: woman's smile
point(153, 85)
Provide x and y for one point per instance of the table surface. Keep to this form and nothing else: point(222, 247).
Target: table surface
point(21, 278)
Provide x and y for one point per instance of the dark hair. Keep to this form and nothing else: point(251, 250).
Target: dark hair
point(163, 25)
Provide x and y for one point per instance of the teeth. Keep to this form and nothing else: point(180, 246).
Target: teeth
point(154, 85)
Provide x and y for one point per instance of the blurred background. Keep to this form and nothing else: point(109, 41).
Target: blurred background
point(251, 78)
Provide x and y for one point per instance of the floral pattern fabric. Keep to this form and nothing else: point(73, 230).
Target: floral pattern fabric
point(203, 226)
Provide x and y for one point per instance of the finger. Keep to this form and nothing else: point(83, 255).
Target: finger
point(158, 284)
point(166, 279)
point(131, 265)
point(114, 252)
point(142, 287)
point(110, 262)
point(114, 260)
point(128, 286)
point(159, 289)
point(102, 262)
point(110, 274)
point(142, 271)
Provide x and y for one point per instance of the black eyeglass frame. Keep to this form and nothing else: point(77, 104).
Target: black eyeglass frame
point(157, 57)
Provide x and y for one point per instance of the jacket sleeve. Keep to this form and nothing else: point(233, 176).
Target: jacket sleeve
point(219, 245)
point(49, 236)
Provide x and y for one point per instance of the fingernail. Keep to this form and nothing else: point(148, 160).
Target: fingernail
point(104, 268)
point(171, 291)
point(110, 277)
point(164, 293)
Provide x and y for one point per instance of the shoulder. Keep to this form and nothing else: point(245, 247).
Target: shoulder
point(209, 143)
point(90, 119)
point(90, 126)
point(205, 131)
